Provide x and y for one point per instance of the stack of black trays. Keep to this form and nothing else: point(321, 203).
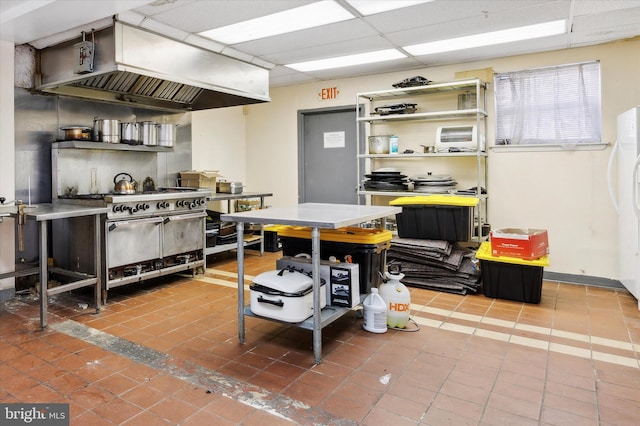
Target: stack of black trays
point(213, 229)
point(386, 181)
point(226, 231)
point(403, 108)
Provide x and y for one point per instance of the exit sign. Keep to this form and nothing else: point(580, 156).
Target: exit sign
point(328, 93)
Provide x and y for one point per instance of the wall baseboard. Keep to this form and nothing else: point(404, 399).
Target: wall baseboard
point(7, 294)
point(583, 280)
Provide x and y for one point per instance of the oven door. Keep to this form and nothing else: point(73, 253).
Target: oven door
point(132, 241)
point(183, 233)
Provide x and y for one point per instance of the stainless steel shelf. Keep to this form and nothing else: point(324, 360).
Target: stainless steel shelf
point(452, 86)
point(414, 193)
point(445, 93)
point(228, 198)
point(423, 155)
point(318, 216)
point(110, 146)
point(231, 246)
point(189, 266)
point(417, 116)
point(218, 196)
point(328, 315)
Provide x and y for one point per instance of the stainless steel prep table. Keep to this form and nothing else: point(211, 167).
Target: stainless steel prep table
point(243, 196)
point(316, 216)
point(44, 213)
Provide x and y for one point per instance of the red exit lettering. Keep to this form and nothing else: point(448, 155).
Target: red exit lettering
point(328, 93)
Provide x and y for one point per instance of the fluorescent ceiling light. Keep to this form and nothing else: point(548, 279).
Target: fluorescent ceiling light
point(299, 18)
point(16, 9)
point(488, 39)
point(370, 7)
point(349, 60)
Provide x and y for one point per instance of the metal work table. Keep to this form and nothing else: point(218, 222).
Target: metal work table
point(316, 216)
point(44, 213)
point(218, 196)
point(242, 196)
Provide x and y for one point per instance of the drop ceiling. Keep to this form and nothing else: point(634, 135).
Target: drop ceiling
point(41, 23)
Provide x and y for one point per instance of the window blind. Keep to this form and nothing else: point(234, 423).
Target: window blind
point(555, 105)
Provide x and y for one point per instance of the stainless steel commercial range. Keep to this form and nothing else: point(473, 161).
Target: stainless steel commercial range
point(149, 231)
point(150, 234)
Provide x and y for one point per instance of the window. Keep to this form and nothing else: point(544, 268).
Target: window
point(549, 106)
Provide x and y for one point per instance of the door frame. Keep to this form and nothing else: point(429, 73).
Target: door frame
point(302, 113)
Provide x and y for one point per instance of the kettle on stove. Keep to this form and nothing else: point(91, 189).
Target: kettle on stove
point(124, 186)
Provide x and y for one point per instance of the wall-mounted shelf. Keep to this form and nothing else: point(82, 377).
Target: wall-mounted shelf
point(111, 146)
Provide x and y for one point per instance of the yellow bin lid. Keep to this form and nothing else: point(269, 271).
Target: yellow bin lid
point(353, 235)
point(484, 253)
point(446, 200)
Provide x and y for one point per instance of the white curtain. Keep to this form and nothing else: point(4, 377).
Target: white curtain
point(555, 105)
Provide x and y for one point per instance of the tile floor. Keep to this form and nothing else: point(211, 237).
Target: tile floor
point(166, 352)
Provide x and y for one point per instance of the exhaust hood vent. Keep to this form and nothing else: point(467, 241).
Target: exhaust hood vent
point(140, 68)
point(128, 83)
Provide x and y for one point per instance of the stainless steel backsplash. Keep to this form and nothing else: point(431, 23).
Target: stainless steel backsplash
point(38, 119)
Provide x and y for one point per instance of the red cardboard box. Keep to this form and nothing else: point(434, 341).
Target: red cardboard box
point(525, 244)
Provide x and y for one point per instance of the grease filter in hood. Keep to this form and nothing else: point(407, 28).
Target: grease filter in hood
point(141, 68)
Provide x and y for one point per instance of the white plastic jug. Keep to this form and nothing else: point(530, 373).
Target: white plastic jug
point(375, 313)
point(397, 301)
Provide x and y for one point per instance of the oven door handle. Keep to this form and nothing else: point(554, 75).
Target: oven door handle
point(114, 225)
point(184, 216)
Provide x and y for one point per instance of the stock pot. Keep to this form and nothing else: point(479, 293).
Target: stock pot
point(148, 133)
point(379, 144)
point(130, 133)
point(106, 130)
point(72, 133)
point(167, 134)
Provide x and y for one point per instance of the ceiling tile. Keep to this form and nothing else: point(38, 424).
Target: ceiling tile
point(332, 50)
point(198, 16)
point(312, 37)
point(594, 21)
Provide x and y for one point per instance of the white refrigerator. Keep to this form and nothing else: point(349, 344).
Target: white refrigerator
point(627, 202)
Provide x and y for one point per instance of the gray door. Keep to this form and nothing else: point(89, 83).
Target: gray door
point(327, 156)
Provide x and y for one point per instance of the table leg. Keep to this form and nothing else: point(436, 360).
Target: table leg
point(97, 255)
point(315, 271)
point(261, 229)
point(240, 250)
point(383, 226)
point(44, 285)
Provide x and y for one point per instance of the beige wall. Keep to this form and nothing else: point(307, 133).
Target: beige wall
point(222, 142)
point(564, 192)
point(7, 162)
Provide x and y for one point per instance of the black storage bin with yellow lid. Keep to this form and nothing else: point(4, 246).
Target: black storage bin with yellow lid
point(365, 246)
point(271, 239)
point(511, 278)
point(436, 217)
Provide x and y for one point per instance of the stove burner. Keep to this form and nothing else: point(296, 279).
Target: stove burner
point(72, 196)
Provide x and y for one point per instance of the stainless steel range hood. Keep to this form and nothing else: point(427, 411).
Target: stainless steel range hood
point(144, 69)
